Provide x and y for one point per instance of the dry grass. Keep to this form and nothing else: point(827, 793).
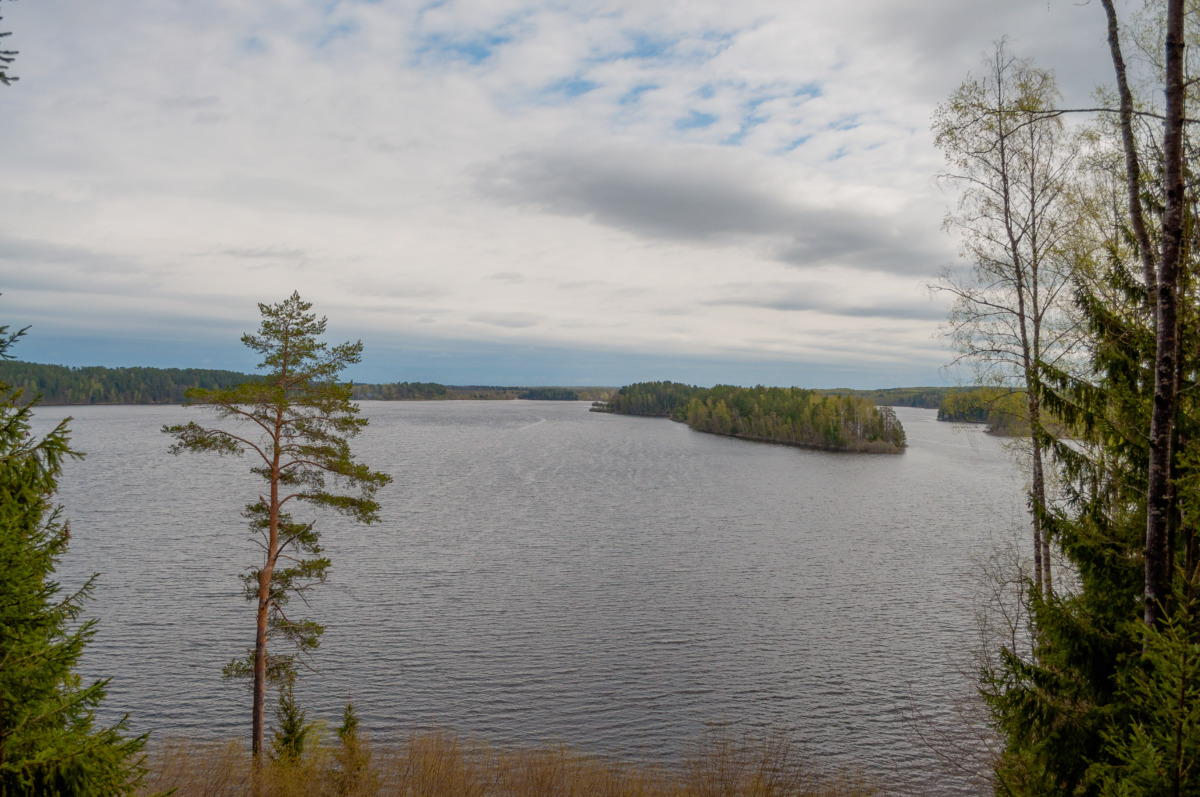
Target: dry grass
point(440, 764)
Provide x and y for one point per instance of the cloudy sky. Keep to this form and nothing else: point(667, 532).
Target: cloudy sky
point(499, 191)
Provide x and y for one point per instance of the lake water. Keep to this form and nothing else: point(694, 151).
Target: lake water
point(545, 573)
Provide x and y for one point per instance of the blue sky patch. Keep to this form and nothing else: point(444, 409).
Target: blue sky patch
point(722, 37)
point(797, 143)
point(647, 45)
point(253, 44)
point(430, 6)
point(634, 95)
point(736, 139)
point(751, 119)
point(333, 32)
point(570, 87)
point(694, 120)
point(749, 122)
point(473, 50)
point(845, 123)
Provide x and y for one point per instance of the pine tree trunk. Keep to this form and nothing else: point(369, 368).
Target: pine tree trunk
point(260, 671)
point(264, 597)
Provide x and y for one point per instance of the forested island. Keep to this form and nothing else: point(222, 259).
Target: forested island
point(63, 385)
point(787, 415)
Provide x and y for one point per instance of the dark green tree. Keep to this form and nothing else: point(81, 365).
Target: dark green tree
point(6, 59)
point(296, 424)
point(650, 398)
point(351, 773)
point(292, 728)
point(49, 742)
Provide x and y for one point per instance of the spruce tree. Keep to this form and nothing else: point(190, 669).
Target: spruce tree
point(49, 741)
point(292, 728)
point(1057, 708)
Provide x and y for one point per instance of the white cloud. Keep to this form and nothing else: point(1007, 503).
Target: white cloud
point(569, 174)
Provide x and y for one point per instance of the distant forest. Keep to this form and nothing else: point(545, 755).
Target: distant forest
point(789, 415)
point(927, 398)
point(58, 384)
point(432, 391)
point(1006, 412)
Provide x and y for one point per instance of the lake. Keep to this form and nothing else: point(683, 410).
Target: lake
point(542, 573)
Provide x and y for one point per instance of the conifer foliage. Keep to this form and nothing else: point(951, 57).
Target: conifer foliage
point(1104, 699)
point(6, 59)
point(296, 424)
point(49, 742)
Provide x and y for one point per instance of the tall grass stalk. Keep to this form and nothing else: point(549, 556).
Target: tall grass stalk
point(441, 764)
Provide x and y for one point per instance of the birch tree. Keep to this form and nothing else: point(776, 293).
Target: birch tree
point(1013, 163)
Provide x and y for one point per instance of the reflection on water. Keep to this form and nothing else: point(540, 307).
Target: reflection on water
point(545, 573)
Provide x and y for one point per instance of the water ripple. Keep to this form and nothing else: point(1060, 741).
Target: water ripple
point(542, 573)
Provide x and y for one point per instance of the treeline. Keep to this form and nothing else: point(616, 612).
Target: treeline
point(658, 399)
point(549, 394)
point(926, 398)
point(401, 391)
point(58, 384)
point(432, 391)
point(1004, 411)
point(789, 415)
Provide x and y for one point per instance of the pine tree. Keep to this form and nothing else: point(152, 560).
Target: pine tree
point(49, 742)
point(296, 424)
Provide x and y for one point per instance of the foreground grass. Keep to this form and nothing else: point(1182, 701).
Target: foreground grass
point(440, 764)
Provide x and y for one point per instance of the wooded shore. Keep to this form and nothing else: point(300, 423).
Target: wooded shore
point(790, 416)
point(59, 385)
